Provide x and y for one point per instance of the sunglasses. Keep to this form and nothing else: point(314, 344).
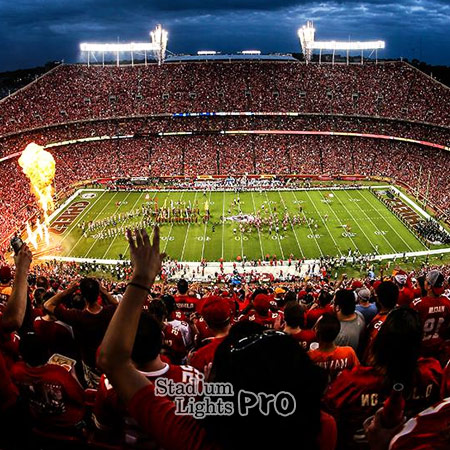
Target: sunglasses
point(248, 341)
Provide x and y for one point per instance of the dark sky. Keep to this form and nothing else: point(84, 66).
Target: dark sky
point(35, 31)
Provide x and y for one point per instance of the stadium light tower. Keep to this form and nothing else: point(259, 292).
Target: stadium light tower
point(157, 46)
point(159, 39)
point(306, 36)
point(308, 44)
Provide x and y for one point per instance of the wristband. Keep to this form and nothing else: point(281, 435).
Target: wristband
point(139, 286)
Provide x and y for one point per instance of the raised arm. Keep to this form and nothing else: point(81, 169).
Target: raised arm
point(51, 304)
point(14, 313)
point(115, 351)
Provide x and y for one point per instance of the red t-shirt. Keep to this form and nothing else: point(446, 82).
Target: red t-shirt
point(205, 355)
point(435, 317)
point(56, 335)
point(272, 320)
point(335, 362)
point(8, 391)
point(371, 333)
point(305, 338)
point(357, 394)
point(174, 344)
point(156, 416)
point(187, 304)
point(110, 413)
point(88, 329)
point(54, 397)
point(313, 314)
point(9, 345)
point(430, 429)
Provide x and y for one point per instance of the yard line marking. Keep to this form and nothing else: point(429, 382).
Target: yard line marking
point(242, 241)
point(338, 219)
point(115, 237)
point(223, 221)
point(372, 222)
point(151, 233)
point(357, 223)
point(309, 226)
point(385, 220)
point(96, 217)
point(278, 235)
point(76, 222)
point(171, 226)
point(259, 233)
point(326, 226)
point(187, 231)
point(292, 225)
point(206, 226)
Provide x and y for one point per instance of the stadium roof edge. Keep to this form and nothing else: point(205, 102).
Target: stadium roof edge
point(234, 57)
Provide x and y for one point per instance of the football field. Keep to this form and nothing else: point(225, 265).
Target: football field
point(311, 223)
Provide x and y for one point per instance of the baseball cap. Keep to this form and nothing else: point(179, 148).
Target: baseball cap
point(364, 294)
point(5, 274)
point(357, 284)
point(436, 280)
point(376, 284)
point(279, 290)
point(262, 304)
point(216, 311)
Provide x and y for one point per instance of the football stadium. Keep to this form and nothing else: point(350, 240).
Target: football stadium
point(266, 234)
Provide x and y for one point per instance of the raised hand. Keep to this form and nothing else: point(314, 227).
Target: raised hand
point(145, 256)
point(23, 259)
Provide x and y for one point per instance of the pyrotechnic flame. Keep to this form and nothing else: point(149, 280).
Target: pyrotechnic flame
point(39, 166)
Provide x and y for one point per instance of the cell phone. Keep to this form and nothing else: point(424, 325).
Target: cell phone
point(16, 244)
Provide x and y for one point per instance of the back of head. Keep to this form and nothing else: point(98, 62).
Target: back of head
point(158, 310)
point(324, 298)
point(148, 342)
point(169, 303)
point(397, 345)
point(270, 362)
point(327, 328)
point(345, 299)
point(387, 294)
point(38, 296)
point(42, 282)
point(294, 315)
point(90, 290)
point(33, 350)
point(182, 286)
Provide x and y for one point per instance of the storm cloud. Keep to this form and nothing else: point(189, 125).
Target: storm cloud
point(33, 32)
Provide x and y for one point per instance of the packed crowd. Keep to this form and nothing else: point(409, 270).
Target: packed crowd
point(353, 361)
point(77, 92)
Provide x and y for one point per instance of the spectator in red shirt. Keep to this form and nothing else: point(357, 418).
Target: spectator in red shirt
point(295, 318)
point(89, 325)
point(5, 285)
point(54, 396)
point(270, 362)
point(186, 304)
point(260, 312)
point(322, 306)
point(357, 394)
point(12, 318)
point(386, 300)
point(217, 314)
point(328, 355)
point(110, 413)
point(434, 311)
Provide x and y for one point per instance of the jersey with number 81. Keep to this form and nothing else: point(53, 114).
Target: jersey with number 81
point(435, 317)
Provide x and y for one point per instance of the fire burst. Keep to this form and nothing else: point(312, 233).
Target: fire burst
point(39, 166)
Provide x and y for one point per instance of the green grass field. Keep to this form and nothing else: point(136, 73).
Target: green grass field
point(373, 228)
